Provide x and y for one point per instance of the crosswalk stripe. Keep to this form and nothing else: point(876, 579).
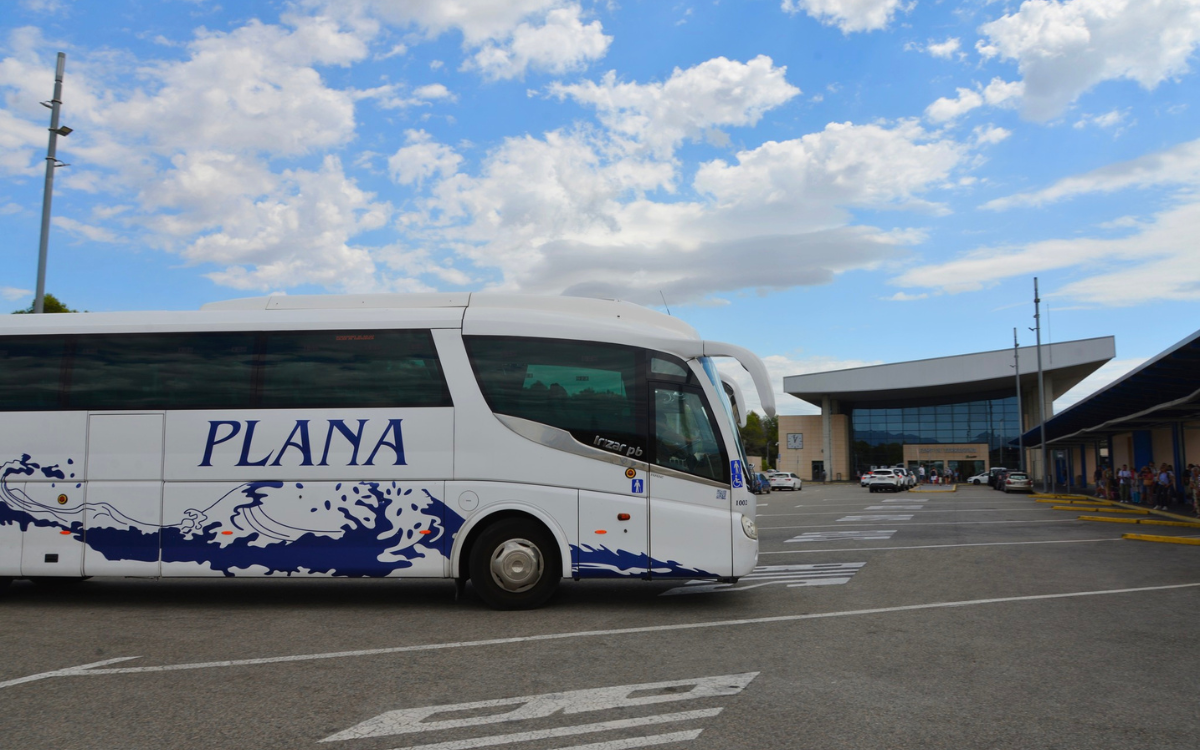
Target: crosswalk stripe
point(877, 518)
point(820, 574)
point(896, 507)
point(600, 726)
point(829, 536)
point(654, 739)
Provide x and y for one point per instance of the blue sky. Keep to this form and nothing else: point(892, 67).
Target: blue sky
point(828, 182)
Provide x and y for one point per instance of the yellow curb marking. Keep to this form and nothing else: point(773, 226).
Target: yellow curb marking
point(1078, 509)
point(1168, 539)
point(1149, 521)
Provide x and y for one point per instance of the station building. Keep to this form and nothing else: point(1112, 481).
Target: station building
point(960, 413)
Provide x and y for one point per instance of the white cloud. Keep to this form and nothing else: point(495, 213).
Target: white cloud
point(848, 15)
point(715, 93)
point(567, 213)
point(1111, 120)
point(906, 297)
point(11, 293)
point(990, 135)
point(944, 50)
point(20, 144)
point(780, 366)
point(502, 39)
point(298, 232)
point(1156, 263)
point(10, 208)
point(1109, 372)
point(85, 231)
point(1178, 165)
point(1064, 49)
point(998, 93)
point(844, 165)
point(562, 43)
point(422, 159)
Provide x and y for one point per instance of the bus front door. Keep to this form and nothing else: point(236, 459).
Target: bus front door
point(690, 497)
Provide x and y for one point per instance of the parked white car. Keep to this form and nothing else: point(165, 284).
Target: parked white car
point(785, 480)
point(889, 480)
point(865, 480)
point(910, 479)
point(979, 478)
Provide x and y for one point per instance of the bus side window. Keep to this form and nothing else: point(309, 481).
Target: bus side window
point(363, 368)
point(594, 391)
point(31, 372)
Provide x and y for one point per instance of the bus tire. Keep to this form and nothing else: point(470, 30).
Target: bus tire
point(515, 564)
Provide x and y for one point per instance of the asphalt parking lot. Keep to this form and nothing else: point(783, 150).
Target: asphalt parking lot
point(924, 620)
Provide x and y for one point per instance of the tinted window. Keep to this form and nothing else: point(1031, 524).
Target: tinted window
point(162, 371)
point(352, 368)
point(594, 391)
point(31, 372)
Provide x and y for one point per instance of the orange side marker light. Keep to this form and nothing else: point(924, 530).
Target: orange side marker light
point(226, 532)
point(601, 531)
point(425, 531)
point(64, 532)
point(622, 516)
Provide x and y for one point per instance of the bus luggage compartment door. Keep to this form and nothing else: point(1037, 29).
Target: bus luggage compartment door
point(611, 546)
point(53, 542)
point(124, 509)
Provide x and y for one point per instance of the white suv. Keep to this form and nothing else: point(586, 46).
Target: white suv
point(887, 479)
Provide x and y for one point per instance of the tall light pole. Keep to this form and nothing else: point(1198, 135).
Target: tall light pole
point(52, 163)
point(1020, 412)
point(1037, 318)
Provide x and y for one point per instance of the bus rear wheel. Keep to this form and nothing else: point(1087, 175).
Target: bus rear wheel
point(515, 564)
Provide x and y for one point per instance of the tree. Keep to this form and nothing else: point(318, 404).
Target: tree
point(771, 434)
point(50, 304)
point(752, 435)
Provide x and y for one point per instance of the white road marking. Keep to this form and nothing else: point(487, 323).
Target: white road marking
point(654, 739)
point(409, 720)
point(909, 500)
point(940, 546)
point(933, 523)
point(925, 508)
point(80, 671)
point(67, 672)
point(793, 576)
point(829, 536)
point(897, 507)
point(877, 517)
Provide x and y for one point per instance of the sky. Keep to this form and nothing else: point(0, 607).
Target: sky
point(829, 183)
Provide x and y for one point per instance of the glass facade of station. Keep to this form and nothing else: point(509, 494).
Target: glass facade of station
point(878, 436)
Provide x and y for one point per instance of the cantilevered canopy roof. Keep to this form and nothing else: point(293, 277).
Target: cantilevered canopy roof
point(1164, 390)
point(948, 379)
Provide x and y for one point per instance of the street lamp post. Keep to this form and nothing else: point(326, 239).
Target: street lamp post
point(52, 163)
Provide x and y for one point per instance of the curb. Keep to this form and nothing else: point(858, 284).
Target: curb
point(953, 488)
point(1149, 521)
point(1166, 539)
point(1078, 509)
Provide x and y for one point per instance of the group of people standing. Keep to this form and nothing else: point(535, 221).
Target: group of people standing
point(1149, 486)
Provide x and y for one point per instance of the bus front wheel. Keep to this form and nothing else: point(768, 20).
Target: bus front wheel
point(515, 564)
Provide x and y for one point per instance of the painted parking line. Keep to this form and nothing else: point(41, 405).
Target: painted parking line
point(829, 536)
point(792, 576)
point(533, 707)
point(908, 500)
point(877, 517)
point(897, 507)
point(84, 671)
point(926, 508)
point(938, 546)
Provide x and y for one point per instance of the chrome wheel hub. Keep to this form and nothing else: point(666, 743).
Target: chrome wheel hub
point(517, 565)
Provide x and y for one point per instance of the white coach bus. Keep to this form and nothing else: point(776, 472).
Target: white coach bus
point(511, 441)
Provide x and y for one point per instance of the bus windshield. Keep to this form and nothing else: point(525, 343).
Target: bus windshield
point(714, 377)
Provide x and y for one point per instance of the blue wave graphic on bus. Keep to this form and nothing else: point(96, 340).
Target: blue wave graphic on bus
point(362, 529)
point(602, 562)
